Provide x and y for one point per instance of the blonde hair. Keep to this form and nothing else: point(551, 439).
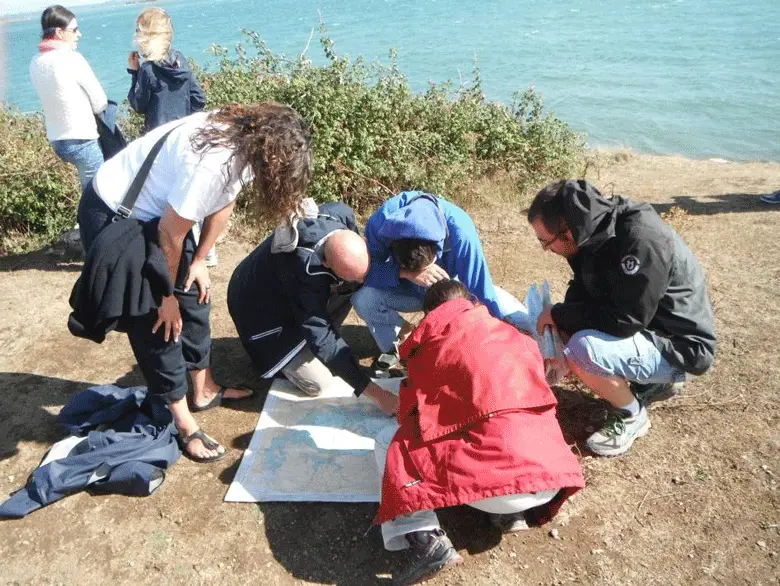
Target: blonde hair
point(153, 34)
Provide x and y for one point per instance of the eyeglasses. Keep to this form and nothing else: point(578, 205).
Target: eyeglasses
point(548, 243)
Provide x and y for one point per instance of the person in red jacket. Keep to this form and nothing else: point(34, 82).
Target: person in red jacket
point(476, 425)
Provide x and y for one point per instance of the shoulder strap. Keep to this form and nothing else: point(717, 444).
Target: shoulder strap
point(126, 207)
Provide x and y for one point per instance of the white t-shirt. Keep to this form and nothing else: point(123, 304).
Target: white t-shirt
point(70, 93)
point(195, 185)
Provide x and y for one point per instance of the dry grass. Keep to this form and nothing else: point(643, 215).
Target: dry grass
point(694, 503)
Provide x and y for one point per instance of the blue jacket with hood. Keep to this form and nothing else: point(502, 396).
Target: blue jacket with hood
point(416, 214)
point(164, 91)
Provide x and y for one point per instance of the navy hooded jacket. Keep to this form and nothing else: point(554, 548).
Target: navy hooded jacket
point(164, 91)
point(280, 299)
point(414, 214)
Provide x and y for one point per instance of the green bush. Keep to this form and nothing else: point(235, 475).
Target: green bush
point(374, 136)
point(38, 192)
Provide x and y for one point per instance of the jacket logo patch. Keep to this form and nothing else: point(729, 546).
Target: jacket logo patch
point(630, 264)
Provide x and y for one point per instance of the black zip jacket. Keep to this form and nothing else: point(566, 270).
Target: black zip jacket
point(633, 273)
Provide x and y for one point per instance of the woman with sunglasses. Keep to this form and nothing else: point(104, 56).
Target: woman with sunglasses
point(69, 91)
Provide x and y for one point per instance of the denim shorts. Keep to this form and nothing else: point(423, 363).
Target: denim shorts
point(635, 359)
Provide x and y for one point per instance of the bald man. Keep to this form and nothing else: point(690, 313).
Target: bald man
point(291, 294)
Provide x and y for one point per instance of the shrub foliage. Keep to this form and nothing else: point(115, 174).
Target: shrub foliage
point(38, 192)
point(374, 136)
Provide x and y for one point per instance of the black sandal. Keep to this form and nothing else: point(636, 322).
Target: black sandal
point(208, 443)
point(220, 398)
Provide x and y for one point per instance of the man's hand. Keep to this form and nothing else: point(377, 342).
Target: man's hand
point(199, 274)
point(385, 400)
point(168, 313)
point(426, 277)
point(545, 319)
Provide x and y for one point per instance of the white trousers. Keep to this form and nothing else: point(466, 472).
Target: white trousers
point(394, 531)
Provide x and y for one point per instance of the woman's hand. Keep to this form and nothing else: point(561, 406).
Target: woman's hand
point(133, 61)
point(199, 274)
point(168, 313)
point(426, 277)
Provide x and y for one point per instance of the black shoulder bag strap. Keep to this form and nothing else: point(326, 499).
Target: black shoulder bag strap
point(126, 207)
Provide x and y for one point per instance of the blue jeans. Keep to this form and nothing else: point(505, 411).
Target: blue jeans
point(84, 153)
point(634, 359)
point(381, 309)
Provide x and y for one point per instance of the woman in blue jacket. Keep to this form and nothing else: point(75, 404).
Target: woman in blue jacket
point(164, 87)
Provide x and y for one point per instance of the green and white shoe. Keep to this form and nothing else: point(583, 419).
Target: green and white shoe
point(618, 432)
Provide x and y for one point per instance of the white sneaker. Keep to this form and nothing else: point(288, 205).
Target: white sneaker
point(618, 432)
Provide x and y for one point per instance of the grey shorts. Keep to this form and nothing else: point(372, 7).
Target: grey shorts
point(635, 359)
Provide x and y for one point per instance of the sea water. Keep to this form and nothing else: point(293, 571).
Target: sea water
point(695, 77)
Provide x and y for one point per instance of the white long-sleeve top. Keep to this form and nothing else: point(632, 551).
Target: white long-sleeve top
point(70, 93)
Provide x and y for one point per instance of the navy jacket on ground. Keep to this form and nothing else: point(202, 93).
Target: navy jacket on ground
point(279, 301)
point(127, 458)
point(164, 91)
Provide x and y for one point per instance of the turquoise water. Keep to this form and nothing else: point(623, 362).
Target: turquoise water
point(695, 77)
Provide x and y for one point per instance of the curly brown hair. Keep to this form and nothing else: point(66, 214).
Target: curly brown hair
point(274, 141)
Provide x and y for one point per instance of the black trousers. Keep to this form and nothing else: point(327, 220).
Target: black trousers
point(163, 364)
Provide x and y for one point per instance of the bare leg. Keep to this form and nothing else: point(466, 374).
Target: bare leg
point(187, 425)
point(613, 390)
point(205, 389)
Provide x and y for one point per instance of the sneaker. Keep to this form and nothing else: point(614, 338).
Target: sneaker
point(386, 362)
point(430, 552)
point(653, 392)
point(773, 198)
point(509, 523)
point(618, 432)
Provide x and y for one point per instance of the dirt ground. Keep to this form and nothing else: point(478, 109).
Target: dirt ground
point(695, 502)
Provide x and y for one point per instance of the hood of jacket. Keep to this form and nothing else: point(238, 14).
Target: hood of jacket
point(451, 385)
point(420, 218)
point(589, 215)
point(174, 67)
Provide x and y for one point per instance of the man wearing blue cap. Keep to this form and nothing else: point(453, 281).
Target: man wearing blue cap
point(415, 240)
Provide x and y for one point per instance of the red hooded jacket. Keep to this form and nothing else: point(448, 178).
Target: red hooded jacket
point(477, 419)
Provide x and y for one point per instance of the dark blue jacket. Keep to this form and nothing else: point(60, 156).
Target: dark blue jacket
point(164, 91)
point(278, 300)
point(128, 458)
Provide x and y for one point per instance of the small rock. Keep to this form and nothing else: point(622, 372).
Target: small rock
point(596, 551)
point(25, 542)
point(11, 478)
point(677, 480)
point(512, 554)
point(554, 534)
point(210, 475)
point(221, 565)
point(690, 555)
point(761, 544)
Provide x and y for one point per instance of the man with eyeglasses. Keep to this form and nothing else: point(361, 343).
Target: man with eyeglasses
point(636, 315)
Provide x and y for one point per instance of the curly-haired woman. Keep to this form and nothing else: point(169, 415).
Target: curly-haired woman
point(204, 162)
